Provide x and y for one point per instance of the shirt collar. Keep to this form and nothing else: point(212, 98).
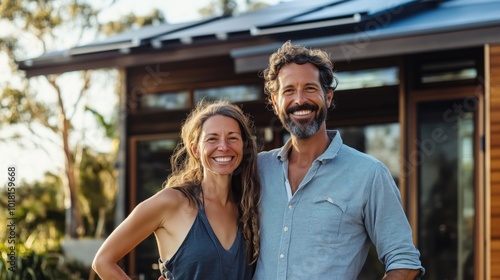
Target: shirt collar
point(330, 152)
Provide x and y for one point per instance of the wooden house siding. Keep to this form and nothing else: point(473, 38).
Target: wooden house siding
point(494, 109)
point(186, 76)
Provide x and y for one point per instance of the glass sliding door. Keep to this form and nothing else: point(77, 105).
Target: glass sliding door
point(150, 163)
point(444, 156)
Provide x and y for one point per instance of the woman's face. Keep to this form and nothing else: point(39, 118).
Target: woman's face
point(220, 147)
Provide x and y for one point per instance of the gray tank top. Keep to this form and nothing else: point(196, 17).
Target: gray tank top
point(201, 256)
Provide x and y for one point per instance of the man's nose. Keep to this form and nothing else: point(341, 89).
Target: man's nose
point(300, 97)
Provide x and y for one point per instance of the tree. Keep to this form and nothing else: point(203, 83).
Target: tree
point(230, 7)
point(97, 172)
point(39, 212)
point(44, 26)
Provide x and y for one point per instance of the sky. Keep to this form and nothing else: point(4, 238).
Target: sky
point(32, 162)
point(172, 9)
point(174, 12)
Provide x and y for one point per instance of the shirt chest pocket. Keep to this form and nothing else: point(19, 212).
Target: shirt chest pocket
point(326, 218)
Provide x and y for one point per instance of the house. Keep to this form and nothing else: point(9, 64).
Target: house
point(418, 88)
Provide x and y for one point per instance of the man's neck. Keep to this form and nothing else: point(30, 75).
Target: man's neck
point(304, 151)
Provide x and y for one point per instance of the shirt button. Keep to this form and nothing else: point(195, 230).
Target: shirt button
point(285, 229)
point(290, 206)
point(282, 256)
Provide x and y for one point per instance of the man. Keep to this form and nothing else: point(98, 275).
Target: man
point(323, 203)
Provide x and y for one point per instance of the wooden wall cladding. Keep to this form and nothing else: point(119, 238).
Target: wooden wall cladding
point(495, 159)
point(158, 77)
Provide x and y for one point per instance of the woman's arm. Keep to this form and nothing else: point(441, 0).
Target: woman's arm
point(142, 222)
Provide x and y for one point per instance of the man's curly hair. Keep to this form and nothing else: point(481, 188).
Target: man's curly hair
point(289, 53)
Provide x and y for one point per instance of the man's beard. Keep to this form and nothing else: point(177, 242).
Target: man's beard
point(304, 128)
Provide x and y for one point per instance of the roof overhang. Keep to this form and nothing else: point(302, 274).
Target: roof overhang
point(349, 33)
point(64, 62)
point(373, 44)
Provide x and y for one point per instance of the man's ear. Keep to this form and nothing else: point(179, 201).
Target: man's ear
point(273, 100)
point(329, 98)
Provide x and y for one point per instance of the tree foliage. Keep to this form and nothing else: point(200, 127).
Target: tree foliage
point(230, 7)
point(40, 27)
point(39, 212)
point(132, 21)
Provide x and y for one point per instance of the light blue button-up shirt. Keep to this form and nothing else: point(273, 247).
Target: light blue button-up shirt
point(346, 200)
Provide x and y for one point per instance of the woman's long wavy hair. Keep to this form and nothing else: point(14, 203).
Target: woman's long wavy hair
point(187, 171)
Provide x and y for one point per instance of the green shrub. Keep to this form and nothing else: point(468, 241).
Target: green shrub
point(30, 265)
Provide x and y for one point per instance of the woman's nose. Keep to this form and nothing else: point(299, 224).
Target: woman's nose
point(222, 145)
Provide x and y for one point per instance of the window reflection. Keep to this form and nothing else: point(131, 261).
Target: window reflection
point(446, 190)
point(167, 100)
point(367, 78)
point(382, 141)
point(235, 93)
point(448, 71)
point(152, 169)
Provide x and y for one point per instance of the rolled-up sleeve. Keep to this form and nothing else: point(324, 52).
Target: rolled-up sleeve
point(387, 224)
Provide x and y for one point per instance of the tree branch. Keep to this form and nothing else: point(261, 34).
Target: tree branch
point(86, 75)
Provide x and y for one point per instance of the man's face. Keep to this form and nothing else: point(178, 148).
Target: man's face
point(300, 102)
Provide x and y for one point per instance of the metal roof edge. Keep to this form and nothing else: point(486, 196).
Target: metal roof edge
point(355, 18)
point(106, 47)
point(401, 45)
point(351, 37)
point(283, 27)
point(158, 42)
point(122, 46)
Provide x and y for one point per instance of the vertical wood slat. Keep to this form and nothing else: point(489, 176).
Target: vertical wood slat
point(495, 259)
point(495, 160)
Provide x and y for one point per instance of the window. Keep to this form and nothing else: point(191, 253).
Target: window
point(167, 100)
point(448, 71)
point(367, 78)
point(234, 93)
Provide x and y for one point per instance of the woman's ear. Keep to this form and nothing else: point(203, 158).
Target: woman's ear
point(194, 150)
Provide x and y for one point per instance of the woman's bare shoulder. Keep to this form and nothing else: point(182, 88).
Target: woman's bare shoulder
point(170, 198)
point(166, 205)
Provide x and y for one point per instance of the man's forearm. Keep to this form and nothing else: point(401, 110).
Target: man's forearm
point(401, 274)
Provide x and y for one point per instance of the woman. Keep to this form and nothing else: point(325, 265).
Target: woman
point(206, 219)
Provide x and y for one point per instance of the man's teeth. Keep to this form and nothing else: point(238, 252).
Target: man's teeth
point(302, 112)
point(224, 159)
